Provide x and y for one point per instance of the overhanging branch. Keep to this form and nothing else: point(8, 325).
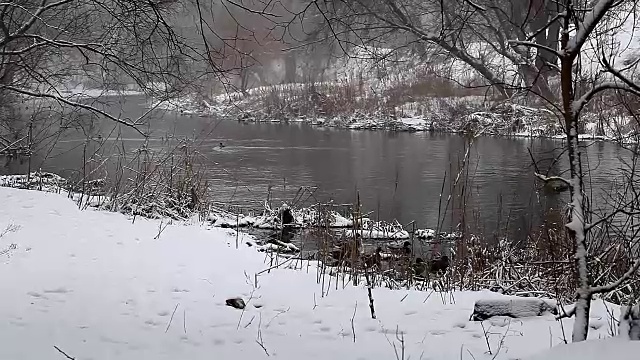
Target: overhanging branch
point(132, 124)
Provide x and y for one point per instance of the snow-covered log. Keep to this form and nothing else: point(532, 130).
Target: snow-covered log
point(512, 306)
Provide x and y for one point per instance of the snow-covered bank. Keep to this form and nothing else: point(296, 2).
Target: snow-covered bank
point(99, 286)
point(448, 115)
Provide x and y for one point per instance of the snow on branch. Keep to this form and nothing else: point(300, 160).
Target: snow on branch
point(618, 74)
point(476, 6)
point(586, 26)
point(549, 23)
point(535, 45)
point(615, 284)
point(580, 103)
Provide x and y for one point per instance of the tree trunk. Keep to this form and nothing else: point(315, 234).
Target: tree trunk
point(290, 67)
point(536, 80)
point(576, 225)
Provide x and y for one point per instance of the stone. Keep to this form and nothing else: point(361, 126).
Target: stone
point(237, 303)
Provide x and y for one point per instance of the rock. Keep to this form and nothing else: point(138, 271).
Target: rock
point(512, 306)
point(237, 303)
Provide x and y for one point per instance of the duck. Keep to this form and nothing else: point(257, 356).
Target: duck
point(419, 268)
point(346, 250)
point(440, 265)
point(404, 250)
point(374, 259)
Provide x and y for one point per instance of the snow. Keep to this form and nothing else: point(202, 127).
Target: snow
point(612, 348)
point(82, 92)
point(303, 217)
point(100, 286)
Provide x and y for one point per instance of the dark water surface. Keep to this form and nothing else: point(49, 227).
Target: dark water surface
point(397, 175)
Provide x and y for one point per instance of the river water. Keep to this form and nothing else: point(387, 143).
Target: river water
point(397, 175)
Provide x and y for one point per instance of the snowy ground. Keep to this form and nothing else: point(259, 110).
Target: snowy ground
point(99, 286)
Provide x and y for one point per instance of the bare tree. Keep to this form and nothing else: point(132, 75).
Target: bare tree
point(45, 44)
point(575, 39)
point(581, 23)
point(476, 33)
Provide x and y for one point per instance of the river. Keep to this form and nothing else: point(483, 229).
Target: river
point(397, 175)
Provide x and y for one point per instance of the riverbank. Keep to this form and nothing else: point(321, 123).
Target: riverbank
point(330, 105)
point(94, 284)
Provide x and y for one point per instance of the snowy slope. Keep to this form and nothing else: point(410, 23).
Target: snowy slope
point(612, 348)
point(98, 286)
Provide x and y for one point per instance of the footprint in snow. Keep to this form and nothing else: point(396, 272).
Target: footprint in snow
point(18, 323)
point(58, 290)
point(218, 342)
point(36, 295)
point(151, 322)
point(163, 313)
point(410, 312)
point(178, 290)
point(325, 328)
point(596, 324)
point(499, 321)
point(370, 328)
point(437, 332)
point(317, 321)
point(460, 325)
point(393, 331)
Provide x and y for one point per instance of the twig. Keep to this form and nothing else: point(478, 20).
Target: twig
point(373, 310)
point(64, 353)
point(259, 339)
point(171, 319)
point(486, 337)
point(353, 328)
point(161, 229)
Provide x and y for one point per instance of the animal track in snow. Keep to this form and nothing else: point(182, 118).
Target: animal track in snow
point(58, 290)
point(36, 295)
point(370, 328)
point(151, 322)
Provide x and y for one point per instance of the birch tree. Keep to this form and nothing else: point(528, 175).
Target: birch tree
point(584, 23)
